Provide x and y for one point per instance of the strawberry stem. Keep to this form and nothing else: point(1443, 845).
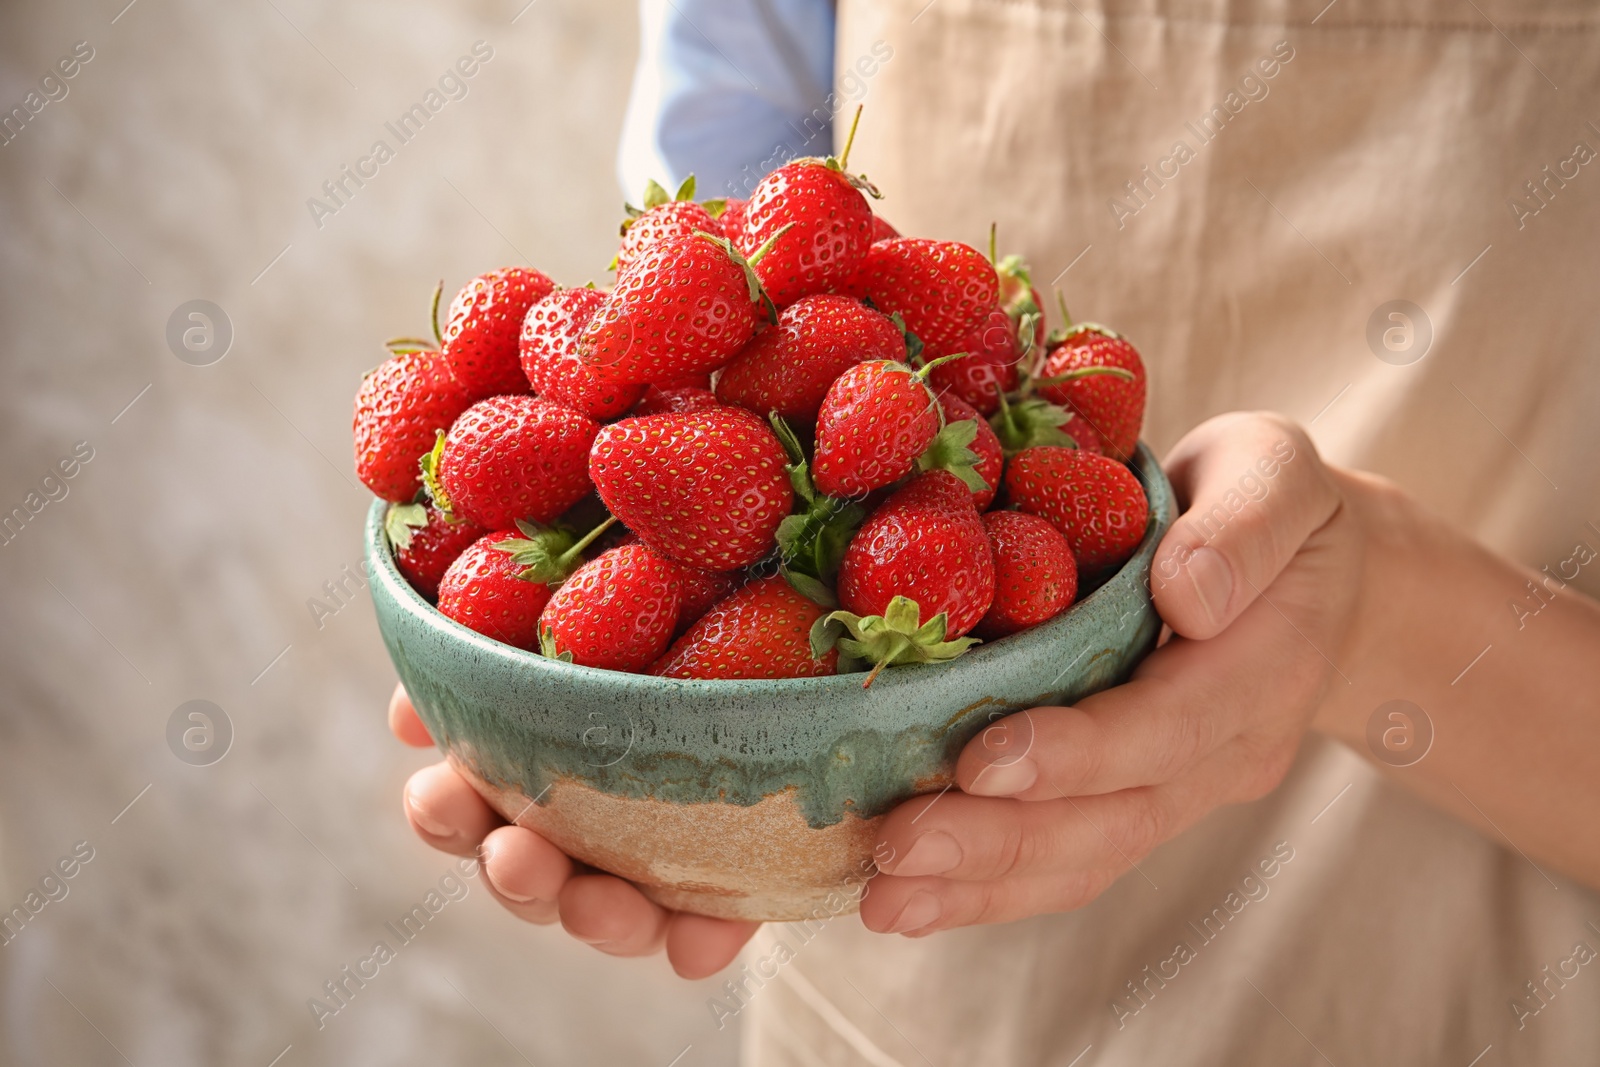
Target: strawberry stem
point(766, 246)
point(1086, 372)
point(433, 313)
point(588, 539)
point(922, 372)
point(994, 260)
point(1066, 316)
point(844, 157)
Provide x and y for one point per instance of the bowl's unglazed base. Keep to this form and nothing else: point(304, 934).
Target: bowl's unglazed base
point(759, 862)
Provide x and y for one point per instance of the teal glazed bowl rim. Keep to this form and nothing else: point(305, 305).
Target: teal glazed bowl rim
point(524, 721)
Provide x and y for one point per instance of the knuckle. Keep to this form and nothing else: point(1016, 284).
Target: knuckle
point(1145, 826)
point(1016, 851)
point(1191, 735)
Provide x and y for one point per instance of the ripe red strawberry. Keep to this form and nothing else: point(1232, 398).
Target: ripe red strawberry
point(976, 381)
point(425, 543)
point(499, 586)
point(549, 352)
point(732, 218)
point(480, 334)
point(698, 589)
point(828, 220)
point(400, 408)
point(761, 631)
point(698, 380)
point(662, 217)
point(658, 400)
point(991, 460)
point(1093, 500)
point(918, 575)
point(512, 457)
point(1113, 405)
point(617, 612)
point(706, 488)
point(789, 367)
point(1035, 576)
point(876, 419)
point(685, 306)
point(943, 290)
point(881, 230)
point(1082, 433)
point(994, 341)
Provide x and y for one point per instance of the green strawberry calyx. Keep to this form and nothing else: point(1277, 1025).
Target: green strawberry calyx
point(758, 295)
point(548, 554)
point(812, 541)
point(548, 649)
point(951, 450)
point(895, 637)
point(655, 196)
point(1069, 329)
point(400, 520)
point(914, 345)
point(1029, 421)
point(430, 478)
point(402, 345)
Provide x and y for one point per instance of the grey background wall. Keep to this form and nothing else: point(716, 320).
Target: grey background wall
point(180, 561)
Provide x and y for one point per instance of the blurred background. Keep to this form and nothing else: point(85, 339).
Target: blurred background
point(212, 507)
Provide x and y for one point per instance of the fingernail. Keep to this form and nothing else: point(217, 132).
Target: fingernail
point(920, 910)
point(1005, 779)
point(516, 898)
point(935, 852)
point(420, 816)
point(1213, 581)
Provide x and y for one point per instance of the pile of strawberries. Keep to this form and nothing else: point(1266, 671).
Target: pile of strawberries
point(787, 442)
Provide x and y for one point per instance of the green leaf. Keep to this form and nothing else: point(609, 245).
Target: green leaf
point(547, 646)
point(655, 195)
point(895, 637)
point(914, 345)
point(430, 477)
point(715, 207)
point(951, 450)
point(810, 588)
point(1030, 422)
point(400, 520)
point(548, 554)
point(685, 190)
point(1014, 266)
point(400, 345)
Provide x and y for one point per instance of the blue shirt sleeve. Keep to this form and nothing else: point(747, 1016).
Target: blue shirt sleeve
point(727, 91)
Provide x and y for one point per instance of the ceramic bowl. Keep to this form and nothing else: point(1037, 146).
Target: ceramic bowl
point(739, 799)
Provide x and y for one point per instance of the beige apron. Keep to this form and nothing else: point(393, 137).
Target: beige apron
point(1380, 219)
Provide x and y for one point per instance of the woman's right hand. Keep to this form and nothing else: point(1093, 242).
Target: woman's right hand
point(539, 883)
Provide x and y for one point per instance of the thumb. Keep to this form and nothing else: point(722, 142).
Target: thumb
point(1253, 490)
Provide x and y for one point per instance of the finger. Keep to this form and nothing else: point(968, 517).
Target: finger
point(699, 947)
point(612, 915)
point(446, 811)
point(1131, 824)
point(969, 838)
point(916, 906)
point(525, 872)
point(1186, 700)
point(1254, 490)
point(404, 722)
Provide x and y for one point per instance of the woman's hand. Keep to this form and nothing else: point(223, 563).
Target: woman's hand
point(1258, 580)
point(537, 882)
